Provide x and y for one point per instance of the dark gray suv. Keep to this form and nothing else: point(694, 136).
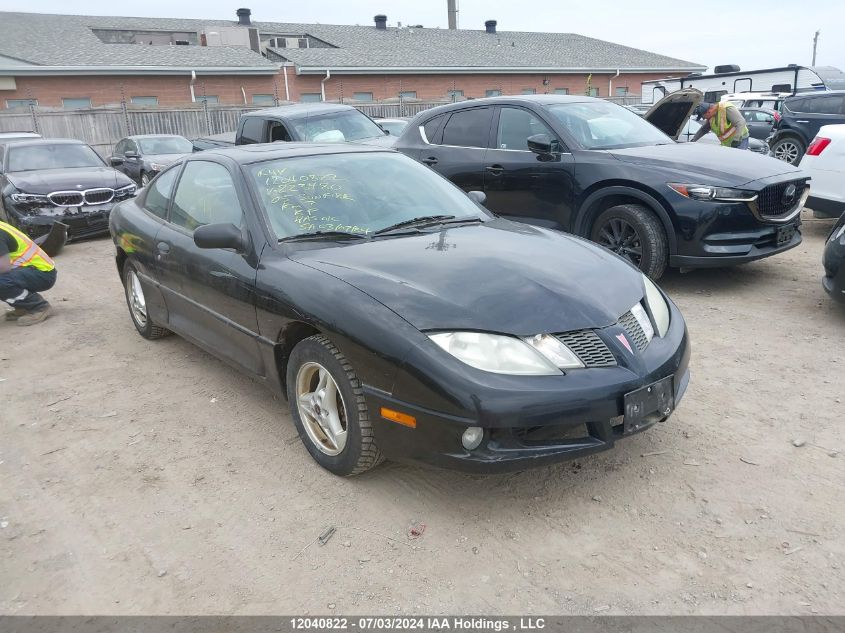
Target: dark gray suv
point(801, 118)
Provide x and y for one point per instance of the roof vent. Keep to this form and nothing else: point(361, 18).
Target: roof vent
point(381, 21)
point(243, 17)
point(490, 25)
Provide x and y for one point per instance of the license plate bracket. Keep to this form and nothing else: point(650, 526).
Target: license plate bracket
point(648, 405)
point(784, 234)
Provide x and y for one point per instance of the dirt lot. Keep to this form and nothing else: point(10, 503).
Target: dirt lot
point(143, 477)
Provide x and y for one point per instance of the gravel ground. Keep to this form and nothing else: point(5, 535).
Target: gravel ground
point(143, 477)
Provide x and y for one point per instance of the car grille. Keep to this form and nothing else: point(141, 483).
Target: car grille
point(588, 347)
point(101, 195)
point(770, 201)
point(634, 330)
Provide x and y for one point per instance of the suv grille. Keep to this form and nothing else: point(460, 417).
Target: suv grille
point(588, 347)
point(772, 203)
point(633, 328)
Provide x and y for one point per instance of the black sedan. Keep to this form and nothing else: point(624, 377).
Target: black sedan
point(399, 317)
point(43, 181)
point(834, 262)
point(142, 156)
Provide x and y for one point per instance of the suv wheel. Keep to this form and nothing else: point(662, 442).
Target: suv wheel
point(789, 150)
point(633, 232)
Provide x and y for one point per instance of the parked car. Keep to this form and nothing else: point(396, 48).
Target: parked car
point(399, 317)
point(834, 262)
point(767, 100)
point(311, 122)
point(598, 170)
point(43, 181)
point(760, 121)
point(755, 145)
point(824, 162)
point(394, 126)
point(801, 118)
point(215, 141)
point(6, 137)
point(142, 156)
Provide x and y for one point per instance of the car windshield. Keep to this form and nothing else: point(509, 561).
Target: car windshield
point(337, 127)
point(58, 156)
point(165, 145)
point(357, 193)
point(603, 125)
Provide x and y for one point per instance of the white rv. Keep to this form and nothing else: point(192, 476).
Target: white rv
point(789, 79)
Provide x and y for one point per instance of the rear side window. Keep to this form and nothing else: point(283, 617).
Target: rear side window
point(831, 104)
point(252, 130)
point(468, 128)
point(432, 126)
point(158, 195)
point(796, 105)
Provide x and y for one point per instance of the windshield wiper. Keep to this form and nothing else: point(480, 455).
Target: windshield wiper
point(322, 235)
point(415, 222)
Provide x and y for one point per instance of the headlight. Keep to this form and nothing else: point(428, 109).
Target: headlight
point(157, 166)
point(657, 306)
point(495, 353)
point(128, 190)
point(29, 198)
point(706, 192)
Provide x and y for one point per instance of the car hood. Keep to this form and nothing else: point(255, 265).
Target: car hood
point(77, 179)
point(705, 164)
point(496, 277)
point(671, 113)
point(163, 159)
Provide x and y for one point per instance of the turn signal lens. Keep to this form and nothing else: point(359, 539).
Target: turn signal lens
point(817, 146)
point(400, 418)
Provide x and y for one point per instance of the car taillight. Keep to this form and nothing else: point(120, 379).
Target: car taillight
point(776, 116)
point(817, 146)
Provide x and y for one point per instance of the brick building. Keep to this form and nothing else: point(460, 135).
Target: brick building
point(82, 61)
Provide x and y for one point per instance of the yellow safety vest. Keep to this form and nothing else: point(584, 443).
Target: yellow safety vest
point(27, 253)
point(722, 127)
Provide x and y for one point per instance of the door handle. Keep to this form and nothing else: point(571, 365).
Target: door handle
point(431, 160)
point(801, 121)
point(495, 169)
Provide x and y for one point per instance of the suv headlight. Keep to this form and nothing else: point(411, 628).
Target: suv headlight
point(706, 192)
point(541, 355)
point(128, 190)
point(29, 198)
point(657, 306)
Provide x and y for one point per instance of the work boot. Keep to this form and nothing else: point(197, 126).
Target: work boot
point(36, 316)
point(14, 315)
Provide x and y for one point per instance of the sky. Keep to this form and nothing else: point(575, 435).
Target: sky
point(751, 33)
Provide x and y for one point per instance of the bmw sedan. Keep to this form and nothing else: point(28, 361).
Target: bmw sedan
point(400, 318)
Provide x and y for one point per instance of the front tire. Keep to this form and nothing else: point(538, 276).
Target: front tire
point(145, 179)
point(789, 149)
point(328, 408)
point(137, 304)
point(635, 233)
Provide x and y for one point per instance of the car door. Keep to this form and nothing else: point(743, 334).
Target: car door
point(118, 157)
point(132, 160)
point(458, 150)
point(816, 111)
point(210, 293)
point(759, 122)
point(524, 185)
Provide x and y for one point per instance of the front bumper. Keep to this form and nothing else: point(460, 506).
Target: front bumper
point(527, 421)
point(83, 222)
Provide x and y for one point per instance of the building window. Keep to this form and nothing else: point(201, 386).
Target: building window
point(408, 94)
point(76, 103)
point(362, 96)
point(145, 101)
point(529, 91)
point(21, 103)
point(265, 100)
point(621, 91)
point(494, 92)
point(209, 99)
point(592, 92)
point(455, 94)
point(310, 97)
point(561, 91)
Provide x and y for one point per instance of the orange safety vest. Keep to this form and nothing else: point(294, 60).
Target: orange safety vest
point(27, 253)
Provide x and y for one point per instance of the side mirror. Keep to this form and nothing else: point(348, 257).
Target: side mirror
point(219, 236)
point(477, 196)
point(542, 144)
point(116, 160)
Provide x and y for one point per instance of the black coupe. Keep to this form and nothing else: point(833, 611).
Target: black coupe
point(399, 317)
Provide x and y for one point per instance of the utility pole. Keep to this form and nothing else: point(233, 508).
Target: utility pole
point(815, 42)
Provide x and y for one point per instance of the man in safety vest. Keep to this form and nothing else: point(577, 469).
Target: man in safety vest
point(25, 270)
point(726, 122)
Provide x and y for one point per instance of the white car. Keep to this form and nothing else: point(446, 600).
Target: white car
point(825, 163)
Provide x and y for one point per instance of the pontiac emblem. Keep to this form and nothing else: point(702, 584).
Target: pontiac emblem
point(789, 194)
point(624, 342)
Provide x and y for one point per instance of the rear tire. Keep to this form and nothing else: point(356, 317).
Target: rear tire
point(789, 149)
point(633, 231)
point(317, 367)
point(137, 304)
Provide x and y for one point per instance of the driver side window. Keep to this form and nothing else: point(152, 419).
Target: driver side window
point(516, 125)
point(205, 195)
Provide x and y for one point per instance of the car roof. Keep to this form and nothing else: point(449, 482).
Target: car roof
point(815, 93)
point(246, 154)
point(20, 134)
point(143, 136)
point(512, 100)
point(299, 110)
point(48, 141)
